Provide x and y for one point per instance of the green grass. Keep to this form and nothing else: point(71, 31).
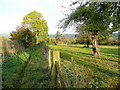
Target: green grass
point(27, 69)
point(103, 70)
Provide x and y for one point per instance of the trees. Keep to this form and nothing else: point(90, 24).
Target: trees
point(83, 35)
point(33, 28)
point(66, 39)
point(35, 22)
point(23, 36)
point(84, 38)
point(57, 37)
point(96, 18)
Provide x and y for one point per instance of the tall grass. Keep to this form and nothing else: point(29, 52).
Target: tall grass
point(26, 69)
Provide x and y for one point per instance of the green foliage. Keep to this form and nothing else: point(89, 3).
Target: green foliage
point(23, 36)
point(52, 40)
point(83, 37)
point(4, 45)
point(95, 18)
point(10, 69)
point(26, 69)
point(67, 40)
point(35, 22)
point(57, 37)
point(109, 41)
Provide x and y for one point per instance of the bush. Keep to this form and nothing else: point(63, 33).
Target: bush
point(23, 36)
point(110, 41)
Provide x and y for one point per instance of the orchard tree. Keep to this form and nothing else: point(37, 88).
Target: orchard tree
point(36, 23)
point(67, 40)
point(96, 18)
point(57, 37)
point(84, 37)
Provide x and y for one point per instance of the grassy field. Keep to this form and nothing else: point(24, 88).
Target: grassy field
point(29, 69)
point(102, 71)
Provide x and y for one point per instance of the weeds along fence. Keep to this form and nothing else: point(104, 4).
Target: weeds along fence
point(64, 75)
point(3, 47)
point(1, 63)
point(1, 58)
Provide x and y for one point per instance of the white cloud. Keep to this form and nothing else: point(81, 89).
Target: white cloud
point(9, 23)
point(51, 10)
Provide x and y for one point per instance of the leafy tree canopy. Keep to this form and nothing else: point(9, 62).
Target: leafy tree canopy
point(96, 18)
point(35, 22)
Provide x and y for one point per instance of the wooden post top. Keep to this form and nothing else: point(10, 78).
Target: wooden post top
point(56, 55)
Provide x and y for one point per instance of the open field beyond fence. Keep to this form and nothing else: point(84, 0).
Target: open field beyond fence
point(78, 62)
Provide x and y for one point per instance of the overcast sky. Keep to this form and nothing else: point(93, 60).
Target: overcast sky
point(12, 12)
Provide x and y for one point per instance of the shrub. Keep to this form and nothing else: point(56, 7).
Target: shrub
point(24, 36)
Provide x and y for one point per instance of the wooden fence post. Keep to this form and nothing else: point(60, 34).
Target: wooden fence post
point(56, 59)
point(49, 58)
point(55, 68)
point(56, 56)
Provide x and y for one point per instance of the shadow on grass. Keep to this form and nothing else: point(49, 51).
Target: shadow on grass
point(109, 51)
point(90, 56)
point(72, 51)
point(72, 46)
point(105, 50)
point(88, 65)
point(78, 46)
point(108, 59)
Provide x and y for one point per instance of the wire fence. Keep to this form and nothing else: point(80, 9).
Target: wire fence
point(65, 75)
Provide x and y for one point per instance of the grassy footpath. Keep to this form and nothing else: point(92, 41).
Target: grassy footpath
point(103, 70)
point(27, 69)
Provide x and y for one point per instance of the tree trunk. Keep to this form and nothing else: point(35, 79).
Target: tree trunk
point(36, 39)
point(88, 43)
point(55, 43)
point(95, 45)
